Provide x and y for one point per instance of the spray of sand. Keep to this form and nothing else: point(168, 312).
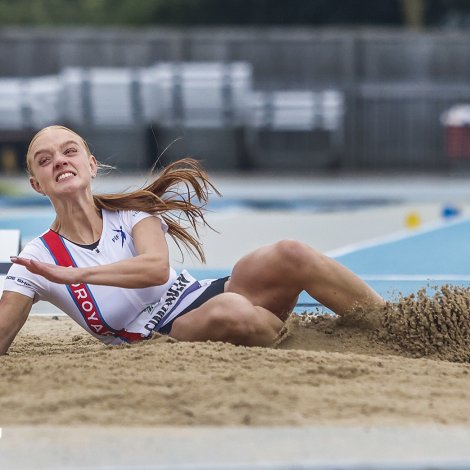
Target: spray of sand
point(436, 326)
point(419, 325)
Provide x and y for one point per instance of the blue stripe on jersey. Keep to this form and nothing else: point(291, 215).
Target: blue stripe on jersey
point(85, 285)
point(98, 311)
point(48, 249)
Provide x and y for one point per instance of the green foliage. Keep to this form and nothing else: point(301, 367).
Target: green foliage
point(223, 12)
point(66, 12)
point(8, 189)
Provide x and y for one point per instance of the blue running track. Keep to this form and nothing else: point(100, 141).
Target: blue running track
point(401, 263)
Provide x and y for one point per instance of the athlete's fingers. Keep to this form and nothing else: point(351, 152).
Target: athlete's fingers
point(23, 261)
point(53, 273)
point(49, 271)
point(28, 264)
point(37, 267)
point(42, 269)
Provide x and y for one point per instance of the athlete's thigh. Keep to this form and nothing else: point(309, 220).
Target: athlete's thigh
point(211, 320)
point(259, 277)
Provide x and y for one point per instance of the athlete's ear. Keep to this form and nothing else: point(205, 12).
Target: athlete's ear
point(93, 165)
point(35, 185)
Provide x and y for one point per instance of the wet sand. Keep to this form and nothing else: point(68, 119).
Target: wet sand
point(410, 367)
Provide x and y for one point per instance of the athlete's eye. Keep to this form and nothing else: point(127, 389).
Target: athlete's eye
point(70, 150)
point(43, 160)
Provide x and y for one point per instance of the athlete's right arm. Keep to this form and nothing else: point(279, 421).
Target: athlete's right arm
point(14, 310)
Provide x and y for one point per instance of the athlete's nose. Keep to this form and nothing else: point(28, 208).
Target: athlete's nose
point(59, 161)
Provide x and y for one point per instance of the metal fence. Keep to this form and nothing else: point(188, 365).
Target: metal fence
point(400, 125)
point(394, 85)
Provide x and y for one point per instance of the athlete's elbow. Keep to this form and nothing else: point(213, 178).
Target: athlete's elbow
point(160, 274)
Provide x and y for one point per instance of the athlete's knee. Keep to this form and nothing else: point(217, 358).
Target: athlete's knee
point(300, 261)
point(293, 255)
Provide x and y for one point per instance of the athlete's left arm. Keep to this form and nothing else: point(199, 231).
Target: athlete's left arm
point(150, 267)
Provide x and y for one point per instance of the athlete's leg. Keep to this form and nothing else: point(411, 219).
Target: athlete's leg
point(273, 276)
point(228, 317)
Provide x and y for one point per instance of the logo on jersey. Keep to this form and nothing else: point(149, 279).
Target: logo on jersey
point(120, 234)
point(19, 281)
point(172, 295)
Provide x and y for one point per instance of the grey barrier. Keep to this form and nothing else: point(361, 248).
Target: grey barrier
point(296, 58)
point(200, 94)
point(26, 103)
point(400, 125)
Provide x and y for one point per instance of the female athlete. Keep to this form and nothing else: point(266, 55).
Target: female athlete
point(105, 260)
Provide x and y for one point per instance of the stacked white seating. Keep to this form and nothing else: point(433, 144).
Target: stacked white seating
point(99, 96)
point(197, 94)
point(192, 94)
point(330, 109)
point(73, 103)
point(202, 94)
point(42, 100)
point(293, 110)
point(11, 104)
point(111, 96)
point(241, 79)
point(297, 110)
point(215, 94)
point(29, 102)
point(156, 93)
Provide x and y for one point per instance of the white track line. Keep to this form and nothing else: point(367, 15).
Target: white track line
point(393, 237)
point(415, 277)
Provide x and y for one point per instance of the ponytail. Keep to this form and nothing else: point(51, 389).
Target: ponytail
point(180, 193)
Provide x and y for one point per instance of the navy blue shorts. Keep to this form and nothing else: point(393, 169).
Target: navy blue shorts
point(215, 288)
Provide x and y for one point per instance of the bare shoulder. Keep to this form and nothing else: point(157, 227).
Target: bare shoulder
point(148, 227)
point(149, 236)
point(149, 223)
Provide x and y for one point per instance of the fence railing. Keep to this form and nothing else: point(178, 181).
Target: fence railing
point(399, 125)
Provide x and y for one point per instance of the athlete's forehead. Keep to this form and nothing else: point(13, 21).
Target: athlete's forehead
point(52, 137)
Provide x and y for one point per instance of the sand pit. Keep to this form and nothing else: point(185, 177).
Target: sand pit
point(323, 371)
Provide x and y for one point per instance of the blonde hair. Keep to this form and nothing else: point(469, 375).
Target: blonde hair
point(179, 194)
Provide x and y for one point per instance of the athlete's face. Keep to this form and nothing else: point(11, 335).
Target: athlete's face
point(59, 162)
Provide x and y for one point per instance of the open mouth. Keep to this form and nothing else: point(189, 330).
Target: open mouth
point(65, 175)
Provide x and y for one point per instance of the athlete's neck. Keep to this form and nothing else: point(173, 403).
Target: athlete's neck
point(78, 220)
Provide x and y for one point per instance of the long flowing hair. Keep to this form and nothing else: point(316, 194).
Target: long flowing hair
point(179, 194)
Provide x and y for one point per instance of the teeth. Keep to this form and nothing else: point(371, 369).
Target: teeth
point(64, 175)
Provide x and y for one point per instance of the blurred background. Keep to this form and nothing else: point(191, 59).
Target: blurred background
point(244, 85)
point(340, 123)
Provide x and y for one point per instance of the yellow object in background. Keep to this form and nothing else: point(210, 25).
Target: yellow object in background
point(413, 220)
point(8, 161)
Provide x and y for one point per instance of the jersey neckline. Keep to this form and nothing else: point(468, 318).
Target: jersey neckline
point(91, 246)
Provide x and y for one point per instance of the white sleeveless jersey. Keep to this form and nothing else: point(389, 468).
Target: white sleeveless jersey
point(121, 308)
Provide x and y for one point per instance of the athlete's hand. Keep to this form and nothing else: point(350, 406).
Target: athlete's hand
point(52, 272)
